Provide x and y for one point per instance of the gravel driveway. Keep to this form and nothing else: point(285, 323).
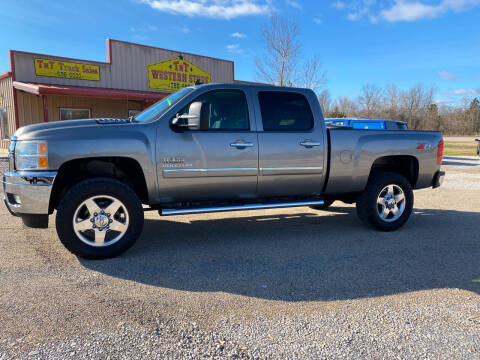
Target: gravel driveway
point(287, 283)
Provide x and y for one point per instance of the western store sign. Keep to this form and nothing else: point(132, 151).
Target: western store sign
point(174, 74)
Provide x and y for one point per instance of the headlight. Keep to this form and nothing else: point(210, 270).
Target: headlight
point(31, 155)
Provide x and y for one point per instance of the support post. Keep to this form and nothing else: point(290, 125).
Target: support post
point(45, 108)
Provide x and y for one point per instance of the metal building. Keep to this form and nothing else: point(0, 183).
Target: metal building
point(41, 88)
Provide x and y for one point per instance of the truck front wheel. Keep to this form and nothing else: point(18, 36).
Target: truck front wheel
point(99, 218)
point(387, 201)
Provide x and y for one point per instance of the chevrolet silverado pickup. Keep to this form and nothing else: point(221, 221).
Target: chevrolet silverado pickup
point(209, 148)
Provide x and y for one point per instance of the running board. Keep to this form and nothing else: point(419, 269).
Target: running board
point(165, 212)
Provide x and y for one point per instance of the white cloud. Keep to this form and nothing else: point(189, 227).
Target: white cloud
point(222, 9)
point(234, 48)
point(317, 20)
point(185, 29)
point(238, 35)
point(463, 92)
point(338, 5)
point(445, 75)
point(295, 4)
point(144, 28)
point(409, 11)
point(402, 10)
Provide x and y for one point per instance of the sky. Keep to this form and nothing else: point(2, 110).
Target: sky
point(380, 42)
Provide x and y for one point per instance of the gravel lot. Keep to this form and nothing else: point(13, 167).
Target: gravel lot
point(288, 283)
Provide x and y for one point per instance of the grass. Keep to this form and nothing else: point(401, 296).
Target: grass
point(456, 148)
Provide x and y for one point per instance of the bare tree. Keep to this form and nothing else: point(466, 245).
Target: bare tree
point(391, 102)
point(415, 102)
point(346, 106)
point(432, 119)
point(311, 75)
point(415, 105)
point(371, 99)
point(277, 66)
point(325, 102)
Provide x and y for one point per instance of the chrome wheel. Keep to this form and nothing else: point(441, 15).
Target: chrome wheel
point(391, 203)
point(100, 221)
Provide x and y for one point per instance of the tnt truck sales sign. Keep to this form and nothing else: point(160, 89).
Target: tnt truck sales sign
point(67, 70)
point(174, 74)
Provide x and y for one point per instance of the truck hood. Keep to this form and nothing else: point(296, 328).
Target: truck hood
point(45, 130)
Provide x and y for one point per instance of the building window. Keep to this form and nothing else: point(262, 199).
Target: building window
point(134, 112)
point(4, 123)
point(73, 114)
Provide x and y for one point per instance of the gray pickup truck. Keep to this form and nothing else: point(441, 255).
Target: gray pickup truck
point(208, 148)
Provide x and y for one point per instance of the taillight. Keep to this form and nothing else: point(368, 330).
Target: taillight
point(440, 152)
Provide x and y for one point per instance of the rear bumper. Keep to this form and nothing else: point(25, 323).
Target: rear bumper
point(27, 192)
point(438, 179)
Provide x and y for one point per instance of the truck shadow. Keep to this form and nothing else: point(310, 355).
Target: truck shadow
point(457, 163)
point(304, 256)
point(471, 158)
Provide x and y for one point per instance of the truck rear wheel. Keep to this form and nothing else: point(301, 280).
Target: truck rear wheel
point(387, 201)
point(99, 218)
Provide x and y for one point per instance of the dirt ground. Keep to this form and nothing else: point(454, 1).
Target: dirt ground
point(287, 283)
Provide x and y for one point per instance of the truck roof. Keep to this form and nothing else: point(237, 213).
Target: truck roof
point(244, 85)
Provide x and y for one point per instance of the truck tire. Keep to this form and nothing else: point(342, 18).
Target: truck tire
point(387, 201)
point(326, 205)
point(99, 218)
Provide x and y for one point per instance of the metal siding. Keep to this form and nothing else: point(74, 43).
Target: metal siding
point(107, 108)
point(127, 71)
point(30, 108)
point(6, 92)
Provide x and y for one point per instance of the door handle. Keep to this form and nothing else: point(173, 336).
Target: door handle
point(241, 144)
point(310, 144)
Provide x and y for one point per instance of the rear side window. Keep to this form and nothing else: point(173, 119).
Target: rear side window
point(285, 111)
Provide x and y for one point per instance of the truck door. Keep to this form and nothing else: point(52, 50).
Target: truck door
point(219, 163)
point(291, 144)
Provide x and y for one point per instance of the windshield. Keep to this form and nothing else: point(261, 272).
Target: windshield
point(157, 109)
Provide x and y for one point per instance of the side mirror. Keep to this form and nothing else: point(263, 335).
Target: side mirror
point(196, 119)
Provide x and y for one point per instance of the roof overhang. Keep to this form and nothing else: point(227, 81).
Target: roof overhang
point(87, 91)
point(5, 75)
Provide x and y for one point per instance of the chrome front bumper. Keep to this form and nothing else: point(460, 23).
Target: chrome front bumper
point(28, 192)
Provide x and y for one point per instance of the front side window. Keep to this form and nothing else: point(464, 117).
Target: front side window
point(285, 111)
point(228, 110)
point(4, 123)
point(153, 112)
point(74, 114)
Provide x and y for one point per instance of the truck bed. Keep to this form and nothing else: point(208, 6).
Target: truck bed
point(352, 153)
